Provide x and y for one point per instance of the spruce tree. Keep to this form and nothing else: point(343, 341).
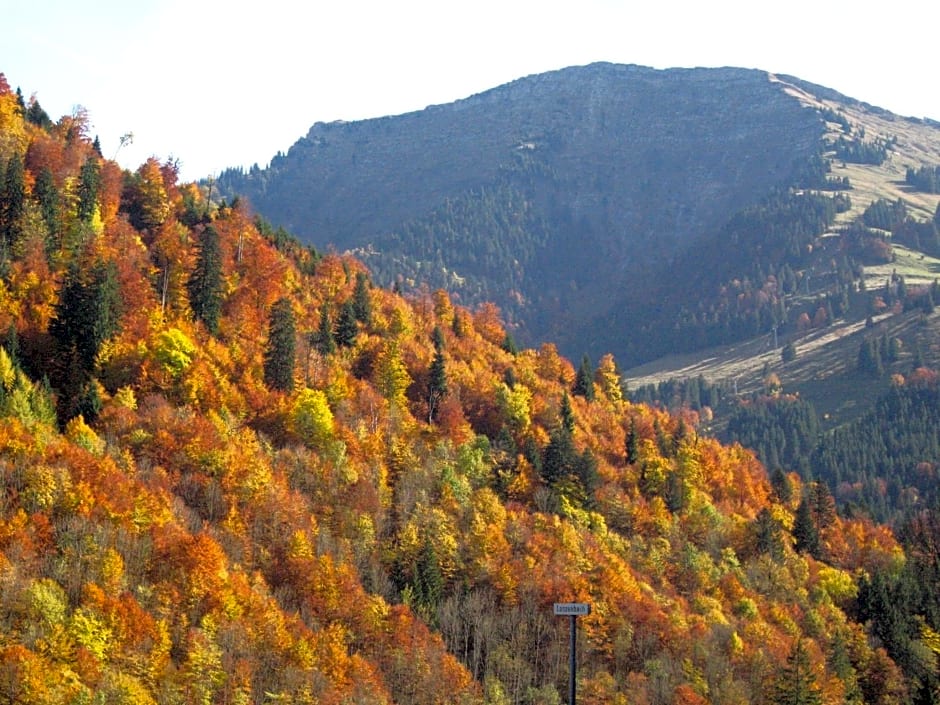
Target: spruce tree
point(805, 534)
point(567, 414)
point(48, 197)
point(280, 350)
point(437, 384)
point(797, 683)
point(12, 205)
point(86, 315)
point(632, 443)
point(88, 311)
point(584, 379)
point(89, 183)
point(323, 339)
point(437, 338)
point(346, 326)
point(205, 283)
point(362, 303)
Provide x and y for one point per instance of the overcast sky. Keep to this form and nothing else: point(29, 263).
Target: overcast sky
point(215, 84)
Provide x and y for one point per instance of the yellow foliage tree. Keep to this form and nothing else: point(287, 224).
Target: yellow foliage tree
point(391, 375)
point(311, 418)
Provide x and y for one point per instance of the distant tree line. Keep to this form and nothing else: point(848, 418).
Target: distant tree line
point(925, 178)
point(676, 393)
point(861, 152)
point(782, 431)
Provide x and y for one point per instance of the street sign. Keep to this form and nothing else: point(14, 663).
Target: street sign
point(573, 609)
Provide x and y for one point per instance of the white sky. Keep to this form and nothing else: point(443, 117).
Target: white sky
point(217, 84)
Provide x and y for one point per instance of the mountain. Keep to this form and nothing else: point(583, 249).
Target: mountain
point(548, 195)
point(236, 470)
point(608, 208)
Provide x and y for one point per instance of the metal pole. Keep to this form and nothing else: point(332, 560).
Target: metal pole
point(572, 668)
point(572, 610)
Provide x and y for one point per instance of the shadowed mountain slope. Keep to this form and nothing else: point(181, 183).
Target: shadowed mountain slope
point(549, 195)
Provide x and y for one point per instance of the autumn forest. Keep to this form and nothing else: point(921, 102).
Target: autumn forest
point(235, 470)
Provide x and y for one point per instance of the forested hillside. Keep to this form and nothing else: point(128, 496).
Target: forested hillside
point(236, 470)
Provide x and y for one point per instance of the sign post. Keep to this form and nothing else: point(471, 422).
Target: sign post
point(572, 610)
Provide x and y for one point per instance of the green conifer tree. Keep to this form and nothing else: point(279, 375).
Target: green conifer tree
point(567, 414)
point(362, 302)
point(632, 443)
point(346, 326)
point(89, 183)
point(796, 685)
point(323, 339)
point(86, 315)
point(280, 351)
point(12, 206)
point(584, 379)
point(88, 311)
point(805, 534)
point(205, 283)
point(437, 384)
point(48, 196)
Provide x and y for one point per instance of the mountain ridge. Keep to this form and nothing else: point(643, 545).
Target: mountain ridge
point(592, 149)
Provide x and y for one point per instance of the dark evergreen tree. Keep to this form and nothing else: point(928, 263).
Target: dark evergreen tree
point(362, 301)
point(584, 379)
point(509, 345)
point(768, 535)
point(632, 444)
point(89, 183)
point(437, 384)
point(783, 488)
point(48, 196)
point(89, 401)
point(12, 206)
point(437, 338)
point(797, 685)
point(567, 414)
point(558, 458)
point(279, 353)
point(823, 505)
point(458, 326)
point(869, 359)
point(37, 116)
point(11, 343)
point(805, 534)
point(86, 315)
point(205, 283)
point(428, 580)
point(88, 311)
point(323, 339)
point(788, 354)
point(346, 326)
